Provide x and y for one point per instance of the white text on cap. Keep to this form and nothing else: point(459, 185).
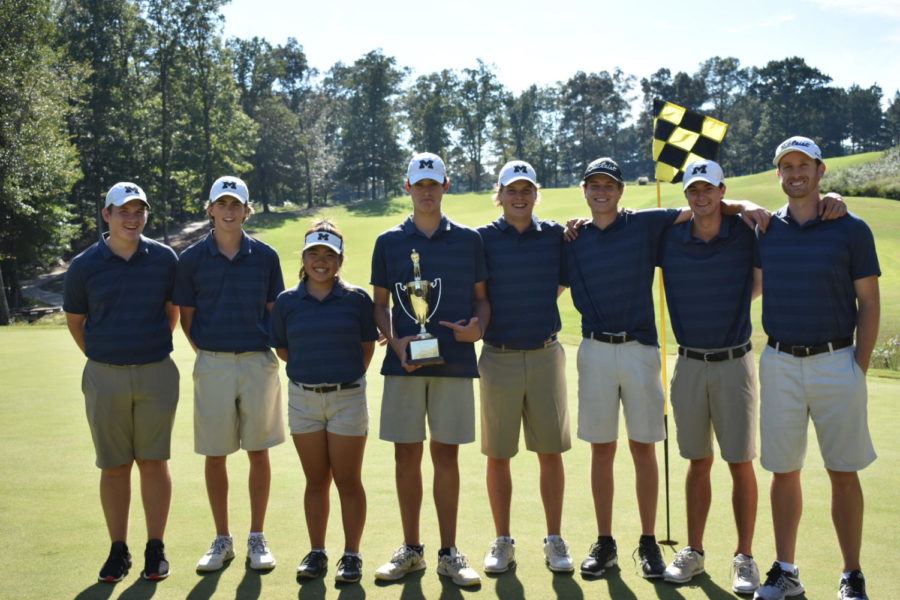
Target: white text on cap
point(797, 143)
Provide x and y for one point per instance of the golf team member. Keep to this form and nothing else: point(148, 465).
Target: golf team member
point(442, 394)
point(522, 365)
point(118, 304)
point(820, 285)
point(226, 286)
point(324, 329)
point(610, 267)
point(710, 281)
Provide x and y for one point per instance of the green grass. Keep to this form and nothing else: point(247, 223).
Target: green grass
point(52, 530)
point(54, 539)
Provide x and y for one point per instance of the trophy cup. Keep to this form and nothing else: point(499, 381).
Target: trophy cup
point(423, 350)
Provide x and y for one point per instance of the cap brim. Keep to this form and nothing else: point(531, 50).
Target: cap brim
point(519, 178)
point(781, 154)
point(590, 174)
point(417, 177)
point(708, 180)
point(228, 193)
point(314, 244)
point(126, 200)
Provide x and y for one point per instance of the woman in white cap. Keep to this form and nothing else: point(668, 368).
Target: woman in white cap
point(325, 331)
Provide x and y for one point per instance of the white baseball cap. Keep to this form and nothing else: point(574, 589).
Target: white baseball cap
point(426, 165)
point(515, 170)
point(229, 186)
point(797, 144)
point(324, 238)
point(704, 170)
point(123, 192)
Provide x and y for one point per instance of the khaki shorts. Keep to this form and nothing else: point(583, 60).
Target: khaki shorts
point(830, 388)
point(718, 396)
point(523, 386)
point(237, 402)
point(610, 373)
point(447, 402)
point(130, 410)
point(342, 412)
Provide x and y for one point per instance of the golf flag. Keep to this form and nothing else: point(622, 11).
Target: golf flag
point(680, 137)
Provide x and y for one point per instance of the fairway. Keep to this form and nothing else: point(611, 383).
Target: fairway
point(54, 539)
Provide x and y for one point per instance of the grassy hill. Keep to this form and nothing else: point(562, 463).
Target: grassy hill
point(361, 224)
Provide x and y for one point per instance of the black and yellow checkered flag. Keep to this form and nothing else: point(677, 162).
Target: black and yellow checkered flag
point(680, 137)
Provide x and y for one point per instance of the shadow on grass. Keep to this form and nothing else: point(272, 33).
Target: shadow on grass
point(566, 587)
point(507, 585)
point(612, 580)
point(380, 207)
point(711, 589)
point(250, 587)
point(411, 586)
point(311, 589)
point(206, 586)
point(97, 591)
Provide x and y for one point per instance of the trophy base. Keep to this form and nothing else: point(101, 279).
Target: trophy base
point(424, 351)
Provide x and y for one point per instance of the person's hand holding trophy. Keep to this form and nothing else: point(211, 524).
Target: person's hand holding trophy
point(423, 347)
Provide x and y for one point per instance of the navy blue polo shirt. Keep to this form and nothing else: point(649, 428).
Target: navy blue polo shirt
point(454, 253)
point(611, 272)
point(709, 285)
point(323, 337)
point(124, 300)
point(524, 272)
point(808, 275)
point(230, 295)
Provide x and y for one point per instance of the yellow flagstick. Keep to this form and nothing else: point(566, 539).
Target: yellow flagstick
point(662, 375)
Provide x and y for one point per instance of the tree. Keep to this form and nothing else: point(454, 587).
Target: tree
point(430, 111)
point(38, 163)
point(478, 103)
point(866, 121)
point(892, 120)
point(369, 131)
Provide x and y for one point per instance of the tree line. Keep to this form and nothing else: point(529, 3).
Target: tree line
point(98, 91)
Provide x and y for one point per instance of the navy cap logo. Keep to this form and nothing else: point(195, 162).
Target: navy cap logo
point(698, 169)
point(229, 185)
point(324, 236)
point(520, 169)
point(426, 164)
point(129, 189)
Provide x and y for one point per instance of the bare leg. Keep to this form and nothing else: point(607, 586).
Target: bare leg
point(115, 498)
point(787, 507)
point(446, 489)
point(499, 488)
point(312, 448)
point(156, 494)
point(602, 485)
point(847, 515)
point(646, 483)
point(408, 475)
point(346, 456)
point(217, 491)
point(258, 481)
point(698, 491)
point(553, 486)
point(744, 499)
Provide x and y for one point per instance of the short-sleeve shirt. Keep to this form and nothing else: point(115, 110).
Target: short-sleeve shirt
point(709, 285)
point(230, 296)
point(525, 271)
point(611, 272)
point(323, 337)
point(455, 255)
point(124, 300)
point(809, 271)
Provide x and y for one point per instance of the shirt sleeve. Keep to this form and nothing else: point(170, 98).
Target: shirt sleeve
point(276, 279)
point(481, 268)
point(368, 330)
point(379, 268)
point(863, 257)
point(75, 299)
point(277, 329)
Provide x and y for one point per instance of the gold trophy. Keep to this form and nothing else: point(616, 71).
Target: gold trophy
point(424, 349)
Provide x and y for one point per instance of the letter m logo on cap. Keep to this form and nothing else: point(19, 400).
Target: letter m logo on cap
point(324, 236)
point(229, 185)
point(426, 164)
point(520, 169)
point(130, 189)
point(698, 169)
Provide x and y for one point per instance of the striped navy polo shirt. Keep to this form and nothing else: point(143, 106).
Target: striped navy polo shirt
point(454, 253)
point(808, 275)
point(124, 300)
point(709, 284)
point(524, 272)
point(611, 272)
point(323, 337)
point(230, 295)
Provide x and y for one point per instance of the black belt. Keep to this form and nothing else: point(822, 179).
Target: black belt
point(611, 338)
point(718, 355)
point(327, 389)
point(801, 351)
point(546, 343)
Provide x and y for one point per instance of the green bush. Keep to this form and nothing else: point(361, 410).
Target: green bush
point(879, 179)
point(888, 355)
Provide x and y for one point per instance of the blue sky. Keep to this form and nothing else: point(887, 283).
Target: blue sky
point(544, 42)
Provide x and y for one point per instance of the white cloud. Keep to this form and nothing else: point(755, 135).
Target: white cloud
point(884, 8)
